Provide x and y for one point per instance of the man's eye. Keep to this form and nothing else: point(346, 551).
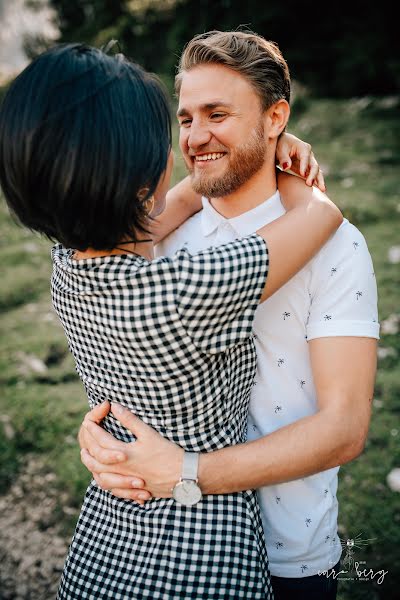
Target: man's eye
point(185, 122)
point(216, 116)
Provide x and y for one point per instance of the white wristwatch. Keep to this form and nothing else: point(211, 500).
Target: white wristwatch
point(187, 491)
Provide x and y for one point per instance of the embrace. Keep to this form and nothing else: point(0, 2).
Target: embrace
point(225, 329)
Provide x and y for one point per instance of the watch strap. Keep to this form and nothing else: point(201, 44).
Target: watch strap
point(190, 465)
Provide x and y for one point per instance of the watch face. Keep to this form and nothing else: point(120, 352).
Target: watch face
point(187, 492)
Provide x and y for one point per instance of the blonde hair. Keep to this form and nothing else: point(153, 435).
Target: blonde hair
point(258, 60)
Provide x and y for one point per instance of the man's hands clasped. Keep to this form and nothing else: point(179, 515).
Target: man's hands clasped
point(119, 466)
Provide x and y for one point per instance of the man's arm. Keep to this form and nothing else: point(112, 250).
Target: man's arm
point(344, 374)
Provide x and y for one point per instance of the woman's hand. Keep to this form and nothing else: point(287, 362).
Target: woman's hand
point(150, 466)
point(292, 154)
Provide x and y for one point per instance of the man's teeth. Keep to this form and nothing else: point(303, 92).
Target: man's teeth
point(213, 156)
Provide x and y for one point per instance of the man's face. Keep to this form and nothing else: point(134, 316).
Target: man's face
point(221, 129)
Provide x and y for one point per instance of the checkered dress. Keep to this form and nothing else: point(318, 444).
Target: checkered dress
point(170, 339)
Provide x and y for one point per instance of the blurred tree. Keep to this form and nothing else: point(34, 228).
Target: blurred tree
point(85, 20)
point(140, 26)
point(340, 49)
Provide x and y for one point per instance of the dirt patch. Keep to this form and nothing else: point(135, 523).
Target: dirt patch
point(32, 550)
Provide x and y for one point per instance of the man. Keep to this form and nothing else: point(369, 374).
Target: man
point(315, 337)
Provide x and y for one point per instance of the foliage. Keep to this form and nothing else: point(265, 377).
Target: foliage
point(346, 49)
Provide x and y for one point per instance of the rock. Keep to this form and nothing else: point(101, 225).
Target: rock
point(394, 255)
point(347, 182)
point(49, 317)
point(8, 429)
point(31, 363)
point(391, 325)
point(385, 352)
point(393, 480)
point(31, 307)
point(388, 102)
point(30, 247)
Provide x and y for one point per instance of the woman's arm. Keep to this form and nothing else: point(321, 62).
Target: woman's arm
point(294, 238)
point(311, 219)
point(182, 202)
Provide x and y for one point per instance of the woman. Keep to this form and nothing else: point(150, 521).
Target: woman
point(85, 159)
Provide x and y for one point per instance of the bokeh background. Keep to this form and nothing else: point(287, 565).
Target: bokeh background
point(345, 64)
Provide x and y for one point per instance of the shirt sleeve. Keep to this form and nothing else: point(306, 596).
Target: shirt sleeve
point(343, 288)
point(218, 292)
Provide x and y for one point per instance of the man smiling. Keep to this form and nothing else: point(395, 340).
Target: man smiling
point(245, 159)
point(315, 338)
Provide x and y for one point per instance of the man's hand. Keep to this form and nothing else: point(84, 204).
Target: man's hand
point(292, 154)
point(125, 469)
point(106, 457)
point(343, 372)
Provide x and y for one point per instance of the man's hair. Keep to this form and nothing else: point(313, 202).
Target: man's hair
point(258, 60)
point(81, 134)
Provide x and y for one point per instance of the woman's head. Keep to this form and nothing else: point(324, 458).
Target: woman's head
point(84, 140)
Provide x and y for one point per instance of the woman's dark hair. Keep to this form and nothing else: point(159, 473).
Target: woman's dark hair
point(81, 134)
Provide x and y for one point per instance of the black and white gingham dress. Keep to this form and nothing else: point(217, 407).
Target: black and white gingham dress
point(172, 340)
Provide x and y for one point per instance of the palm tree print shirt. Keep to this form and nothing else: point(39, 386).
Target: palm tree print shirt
point(334, 295)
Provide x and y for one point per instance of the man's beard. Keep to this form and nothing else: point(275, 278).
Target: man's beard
point(244, 162)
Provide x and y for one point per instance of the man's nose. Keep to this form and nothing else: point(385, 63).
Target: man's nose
point(198, 135)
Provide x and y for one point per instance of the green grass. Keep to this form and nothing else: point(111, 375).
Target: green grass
point(358, 144)
point(44, 405)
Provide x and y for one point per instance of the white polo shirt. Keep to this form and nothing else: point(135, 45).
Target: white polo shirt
point(334, 295)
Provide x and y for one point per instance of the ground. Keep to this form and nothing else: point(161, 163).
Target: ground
point(32, 548)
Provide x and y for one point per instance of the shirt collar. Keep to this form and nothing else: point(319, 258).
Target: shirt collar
point(247, 222)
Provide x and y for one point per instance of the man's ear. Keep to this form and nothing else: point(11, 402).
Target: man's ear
point(276, 118)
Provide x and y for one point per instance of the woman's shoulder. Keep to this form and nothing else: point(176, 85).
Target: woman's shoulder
point(123, 270)
point(215, 263)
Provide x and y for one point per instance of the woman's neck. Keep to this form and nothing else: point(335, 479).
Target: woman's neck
point(143, 247)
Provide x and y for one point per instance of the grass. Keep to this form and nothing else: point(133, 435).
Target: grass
point(42, 401)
